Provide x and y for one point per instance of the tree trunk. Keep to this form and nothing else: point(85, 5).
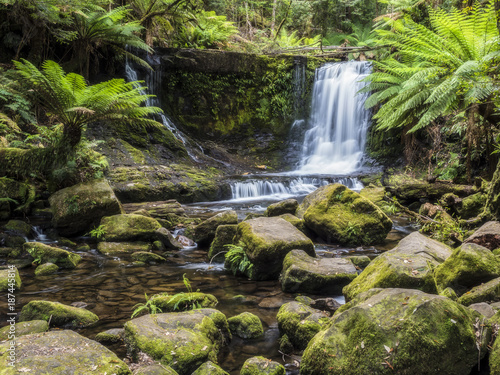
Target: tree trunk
point(492, 207)
point(471, 123)
point(71, 136)
point(273, 22)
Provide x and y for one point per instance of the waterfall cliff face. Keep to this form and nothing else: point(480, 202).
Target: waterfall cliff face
point(335, 140)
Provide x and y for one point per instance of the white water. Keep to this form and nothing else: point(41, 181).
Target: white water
point(335, 140)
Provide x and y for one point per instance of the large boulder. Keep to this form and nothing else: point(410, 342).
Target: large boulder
point(340, 215)
point(472, 206)
point(488, 235)
point(209, 368)
point(18, 227)
point(77, 208)
point(47, 254)
point(391, 331)
point(305, 274)
point(467, 266)
point(288, 206)
point(409, 265)
point(58, 314)
point(60, 352)
point(487, 292)
point(129, 227)
point(246, 325)
point(182, 341)
point(204, 233)
point(266, 241)
point(122, 248)
point(23, 328)
point(223, 236)
point(262, 366)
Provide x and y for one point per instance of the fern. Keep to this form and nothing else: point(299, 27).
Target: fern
point(237, 260)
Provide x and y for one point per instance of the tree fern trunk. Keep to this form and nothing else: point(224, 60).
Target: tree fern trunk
point(471, 123)
point(492, 207)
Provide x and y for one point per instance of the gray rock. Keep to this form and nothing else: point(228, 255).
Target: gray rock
point(288, 206)
point(488, 235)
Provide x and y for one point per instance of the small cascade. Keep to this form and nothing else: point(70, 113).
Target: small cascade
point(40, 236)
point(335, 140)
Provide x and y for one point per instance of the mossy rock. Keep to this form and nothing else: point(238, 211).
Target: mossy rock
point(10, 252)
point(12, 240)
point(59, 315)
point(204, 233)
point(300, 323)
point(488, 235)
point(155, 370)
point(209, 368)
point(472, 206)
point(129, 227)
point(78, 208)
point(466, 267)
point(48, 254)
point(483, 308)
point(267, 240)
point(297, 223)
point(46, 269)
point(23, 328)
point(61, 352)
point(246, 325)
point(487, 292)
point(20, 194)
point(7, 281)
point(261, 366)
point(183, 341)
point(361, 261)
point(409, 265)
point(121, 248)
point(288, 206)
point(223, 236)
point(305, 274)
point(340, 215)
point(18, 227)
point(388, 331)
point(147, 257)
point(111, 335)
point(376, 195)
point(183, 301)
point(167, 239)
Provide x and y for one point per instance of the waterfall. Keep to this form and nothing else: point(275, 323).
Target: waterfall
point(335, 140)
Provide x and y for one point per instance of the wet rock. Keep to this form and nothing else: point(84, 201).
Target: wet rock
point(223, 236)
point(488, 235)
point(183, 301)
point(62, 352)
point(59, 315)
point(409, 265)
point(120, 248)
point(483, 308)
point(184, 241)
point(129, 227)
point(147, 257)
point(305, 274)
point(246, 325)
point(329, 305)
point(209, 368)
point(10, 252)
point(23, 328)
point(7, 281)
point(271, 302)
point(21, 196)
point(12, 240)
point(182, 341)
point(47, 254)
point(396, 331)
point(155, 370)
point(360, 261)
point(262, 366)
point(300, 323)
point(267, 240)
point(46, 269)
point(167, 239)
point(472, 206)
point(487, 292)
point(467, 266)
point(18, 227)
point(288, 206)
point(340, 215)
point(204, 233)
point(165, 209)
point(111, 335)
point(77, 208)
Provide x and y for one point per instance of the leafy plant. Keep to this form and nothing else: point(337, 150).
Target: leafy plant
point(98, 232)
point(148, 306)
point(237, 260)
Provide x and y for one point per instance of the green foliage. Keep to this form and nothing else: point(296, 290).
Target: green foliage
point(99, 233)
point(148, 307)
point(237, 260)
point(444, 229)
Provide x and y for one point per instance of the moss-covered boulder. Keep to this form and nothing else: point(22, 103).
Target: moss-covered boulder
point(340, 215)
point(266, 241)
point(288, 206)
point(147, 257)
point(47, 254)
point(390, 331)
point(223, 236)
point(209, 368)
point(360, 261)
point(204, 233)
point(78, 208)
point(488, 235)
point(46, 269)
point(9, 278)
point(183, 301)
point(121, 248)
point(467, 266)
point(409, 265)
point(300, 323)
point(61, 352)
point(111, 335)
point(375, 194)
point(23, 328)
point(18, 227)
point(487, 292)
point(167, 239)
point(297, 223)
point(129, 227)
point(472, 206)
point(305, 274)
point(58, 314)
point(246, 325)
point(17, 195)
point(155, 369)
point(182, 341)
point(262, 366)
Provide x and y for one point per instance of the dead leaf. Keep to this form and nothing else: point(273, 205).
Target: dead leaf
point(387, 349)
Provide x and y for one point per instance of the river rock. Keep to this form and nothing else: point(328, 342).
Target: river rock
point(167, 239)
point(23, 328)
point(147, 257)
point(18, 227)
point(204, 233)
point(223, 236)
point(111, 335)
point(467, 266)
point(288, 206)
point(209, 368)
point(375, 194)
point(487, 292)
point(340, 215)
point(266, 241)
point(246, 325)
point(488, 235)
point(483, 308)
point(20, 196)
point(59, 315)
point(47, 254)
point(155, 370)
point(61, 352)
point(300, 323)
point(390, 331)
point(7, 281)
point(183, 301)
point(305, 274)
point(77, 208)
point(129, 227)
point(409, 265)
point(46, 269)
point(120, 248)
point(261, 366)
point(360, 261)
point(182, 341)
point(472, 206)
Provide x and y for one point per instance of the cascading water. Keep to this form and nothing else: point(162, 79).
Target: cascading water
point(335, 141)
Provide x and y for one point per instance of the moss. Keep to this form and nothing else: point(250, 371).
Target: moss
point(135, 154)
point(46, 269)
point(360, 261)
point(18, 226)
point(224, 235)
point(209, 368)
point(147, 257)
point(129, 227)
point(487, 292)
point(111, 335)
point(7, 282)
point(58, 314)
point(260, 366)
point(120, 248)
point(183, 301)
point(24, 328)
point(47, 254)
point(246, 325)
